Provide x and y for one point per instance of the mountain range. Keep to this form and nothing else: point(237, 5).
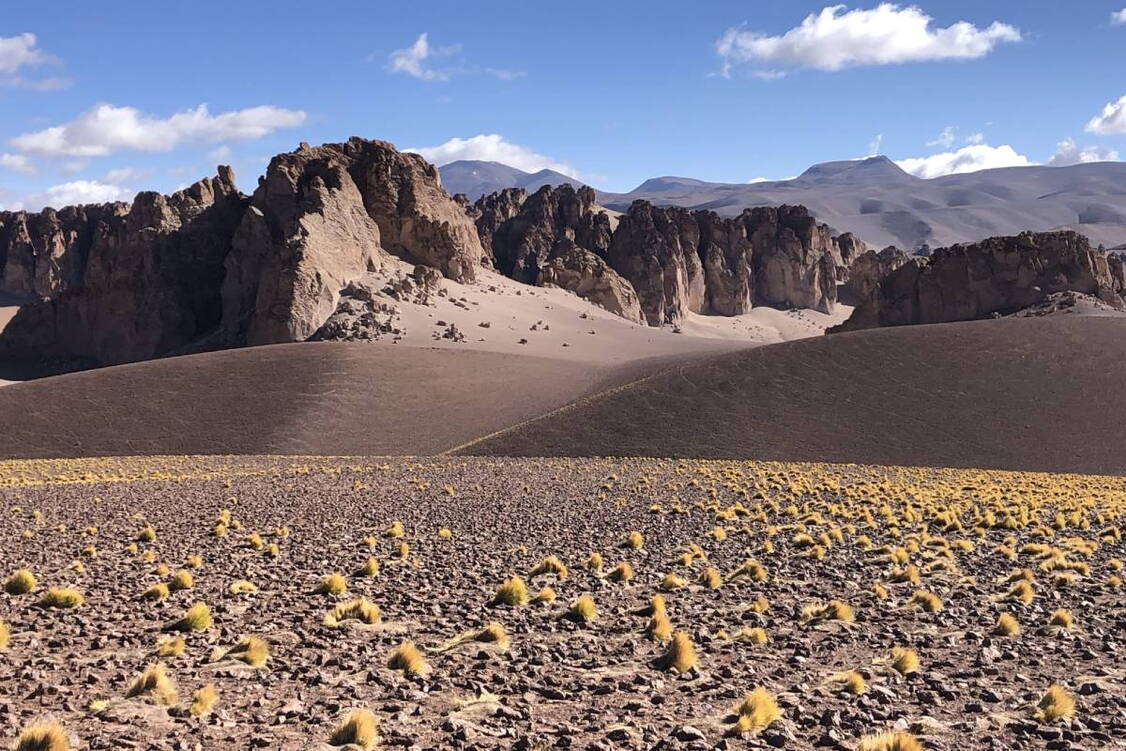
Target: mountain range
point(877, 200)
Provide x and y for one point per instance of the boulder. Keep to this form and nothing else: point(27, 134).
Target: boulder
point(867, 271)
point(588, 276)
point(997, 276)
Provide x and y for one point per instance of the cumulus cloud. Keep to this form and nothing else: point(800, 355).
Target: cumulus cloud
point(837, 38)
point(73, 192)
point(966, 159)
point(105, 128)
point(492, 148)
point(420, 61)
point(1068, 152)
point(17, 163)
point(21, 51)
point(1118, 17)
point(1111, 121)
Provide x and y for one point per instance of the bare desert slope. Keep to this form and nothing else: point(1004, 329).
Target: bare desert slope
point(1040, 393)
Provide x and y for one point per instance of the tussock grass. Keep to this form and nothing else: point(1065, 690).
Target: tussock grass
point(849, 682)
point(195, 618)
point(880, 591)
point(1006, 626)
point(181, 580)
point(408, 660)
point(5, 635)
point(905, 575)
point(20, 582)
point(595, 562)
point(255, 541)
point(512, 591)
point(171, 646)
point(333, 584)
point(153, 684)
point(834, 610)
point(193, 561)
point(680, 657)
point(634, 540)
point(1056, 704)
point(370, 569)
point(272, 550)
point(711, 579)
point(203, 701)
point(904, 661)
point(251, 650)
point(148, 534)
point(889, 742)
point(623, 572)
point(494, 633)
point(753, 570)
point(445, 534)
point(43, 737)
point(395, 530)
point(756, 712)
point(359, 609)
point(927, 601)
point(1021, 592)
point(753, 635)
point(550, 566)
point(61, 597)
point(672, 582)
point(760, 605)
point(404, 551)
point(157, 591)
point(242, 587)
point(360, 729)
point(1062, 618)
point(583, 609)
point(659, 626)
point(546, 596)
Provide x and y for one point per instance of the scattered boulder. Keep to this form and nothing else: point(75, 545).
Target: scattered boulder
point(360, 316)
point(1000, 275)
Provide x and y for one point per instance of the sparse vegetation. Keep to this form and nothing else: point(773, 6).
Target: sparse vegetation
point(61, 597)
point(20, 582)
point(359, 730)
point(680, 657)
point(153, 684)
point(512, 591)
point(43, 737)
point(758, 711)
point(408, 660)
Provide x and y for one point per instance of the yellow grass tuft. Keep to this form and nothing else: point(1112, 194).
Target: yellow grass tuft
point(583, 609)
point(659, 626)
point(359, 609)
point(927, 601)
point(880, 591)
point(681, 654)
point(153, 684)
point(5, 635)
point(1006, 626)
point(671, 582)
point(407, 659)
point(1055, 704)
point(60, 597)
point(546, 596)
point(1062, 618)
point(889, 742)
point(272, 550)
point(395, 530)
point(404, 551)
point(494, 633)
point(849, 682)
point(181, 580)
point(1021, 592)
point(370, 569)
point(359, 730)
point(44, 737)
point(595, 562)
point(156, 592)
point(754, 635)
point(242, 587)
point(550, 565)
point(904, 660)
point(757, 711)
point(203, 701)
point(333, 584)
point(148, 534)
point(512, 591)
point(195, 618)
point(171, 646)
point(251, 650)
point(20, 582)
point(255, 541)
point(905, 575)
point(623, 572)
point(634, 540)
point(834, 610)
point(711, 579)
point(444, 533)
point(752, 569)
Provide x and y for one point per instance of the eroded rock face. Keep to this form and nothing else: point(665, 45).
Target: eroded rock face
point(492, 211)
point(588, 276)
point(151, 280)
point(42, 254)
point(794, 263)
point(870, 268)
point(849, 248)
point(1000, 275)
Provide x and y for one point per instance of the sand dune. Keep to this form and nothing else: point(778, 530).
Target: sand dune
point(1044, 394)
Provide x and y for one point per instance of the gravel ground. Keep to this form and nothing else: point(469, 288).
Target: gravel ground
point(560, 683)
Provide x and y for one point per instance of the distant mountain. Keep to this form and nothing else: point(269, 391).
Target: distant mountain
point(884, 205)
point(477, 178)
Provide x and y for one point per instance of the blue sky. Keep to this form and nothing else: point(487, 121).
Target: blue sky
point(105, 99)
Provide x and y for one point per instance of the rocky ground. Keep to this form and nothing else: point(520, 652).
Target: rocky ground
point(562, 683)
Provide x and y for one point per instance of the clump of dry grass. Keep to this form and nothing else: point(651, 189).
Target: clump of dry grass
point(711, 579)
point(5, 635)
point(20, 582)
point(272, 550)
point(359, 609)
point(672, 582)
point(680, 657)
point(754, 635)
point(333, 584)
point(834, 610)
point(255, 541)
point(193, 561)
point(1062, 618)
point(546, 596)
point(157, 591)
point(181, 580)
point(445, 534)
point(623, 572)
point(43, 737)
point(404, 551)
point(494, 633)
point(756, 712)
point(583, 609)
point(659, 626)
point(203, 701)
point(251, 650)
point(889, 742)
point(1021, 592)
point(195, 618)
point(550, 565)
point(360, 730)
point(634, 540)
point(904, 661)
point(1006, 626)
point(171, 646)
point(760, 605)
point(1055, 704)
point(395, 530)
point(153, 684)
point(879, 591)
point(242, 587)
point(61, 597)
point(595, 562)
point(849, 682)
point(927, 601)
point(905, 575)
point(512, 591)
point(148, 534)
point(370, 569)
point(408, 660)
point(753, 570)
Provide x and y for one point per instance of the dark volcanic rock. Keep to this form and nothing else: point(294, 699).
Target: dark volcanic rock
point(868, 269)
point(1000, 275)
point(794, 258)
point(492, 211)
point(151, 279)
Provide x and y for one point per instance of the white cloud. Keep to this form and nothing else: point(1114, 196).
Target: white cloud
point(1118, 17)
point(412, 60)
point(74, 192)
point(966, 159)
point(17, 163)
point(492, 148)
point(874, 145)
point(945, 138)
point(221, 154)
point(104, 129)
point(975, 138)
point(124, 175)
point(21, 51)
point(1111, 121)
point(1068, 152)
point(839, 38)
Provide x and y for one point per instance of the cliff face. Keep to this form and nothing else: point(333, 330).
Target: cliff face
point(795, 258)
point(1000, 275)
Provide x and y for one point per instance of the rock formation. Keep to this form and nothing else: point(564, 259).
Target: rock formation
point(588, 276)
point(868, 269)
point(849, 248)
point(997, 276)
point(793, 258)
point(492, 211)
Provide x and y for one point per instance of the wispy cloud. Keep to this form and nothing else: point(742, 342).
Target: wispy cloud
point(1068, 152)
point(1111, 121)
point(837, 38)
point(1118, 17)
point(21, 52)
point(492, 148)
point(427, 62)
